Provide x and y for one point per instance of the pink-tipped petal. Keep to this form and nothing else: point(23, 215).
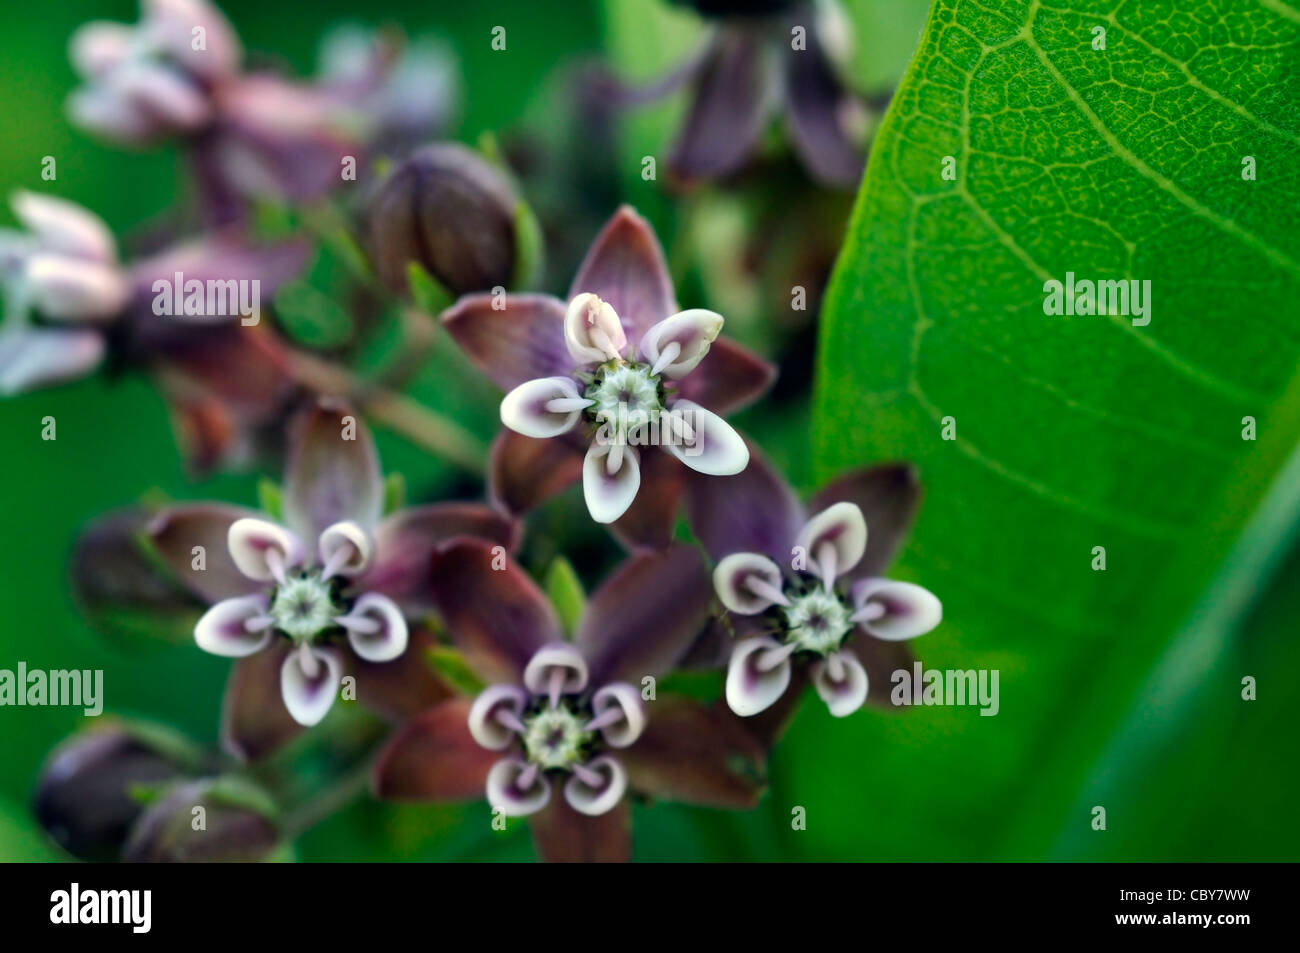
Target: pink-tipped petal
point(70, 289)
point(751, 688)
point(706, 443)
point(622, 698)
point(386, 638)
point(511, 339)
point(34, 357)
point(678, 343)
point(608, 495)
point(889, 495)
point(625, 266)
point(161, 92)
point(558, 667)
point(261, 549)
point(748, 583)
point(345, 549)
point(485, 721)
point(171, 24)
point(895, 611)
point(65, 227)
point(524, 472)
point(599, 789)
point(834, 540)
point(506, 794)
point(309, 681)
point(592, 331)
point(841, 681)
point(222, 630)
point(98, 46)
point(546, 407)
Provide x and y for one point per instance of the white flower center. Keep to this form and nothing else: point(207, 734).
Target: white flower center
point(304, 606)
point(554, 737)
point(626, 397)
point(817, 621)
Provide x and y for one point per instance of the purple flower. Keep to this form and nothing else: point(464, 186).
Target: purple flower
point(616, 368)
point(564, 730)
point(805, 593)
point(329, 591)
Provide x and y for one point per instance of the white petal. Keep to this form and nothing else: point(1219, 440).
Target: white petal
point(110, 114)
point(592, 331)
point(32, 357)
point(309, 695)
point(73, 289)
point(504, 794)
point(346, 548)
point(843, 695)
point(731, 578)
point(385, 643)
point(98, 46)
point(221, 629)
point(594, 800)
point(625, 698)
point(691, 331)
point(834, 540)
point(255, 545)
point(524, 409)
point(484, 724)
point(562, 658)
point(713, 447)
point(64, 226)
point(895, 611)
point(749, 689)
point(162, 92)
point(608, 496)
point(170, 24)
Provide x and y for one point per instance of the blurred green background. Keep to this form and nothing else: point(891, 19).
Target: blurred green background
point(1205, 776)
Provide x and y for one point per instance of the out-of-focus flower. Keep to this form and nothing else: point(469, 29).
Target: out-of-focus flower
point(564, 730)
point(329, 592)
point(450, 211)
point(88, 795)
point(806, 594)
point(764, 59)
point(581, 400)
point(238, 825)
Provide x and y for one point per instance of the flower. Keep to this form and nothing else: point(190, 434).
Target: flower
point(806, 593)
point(564, 728)
point(299, 614)
point(581, 399)
point(764, 59)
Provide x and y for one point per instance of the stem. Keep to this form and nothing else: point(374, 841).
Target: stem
point(334, 797)
point(436, 433)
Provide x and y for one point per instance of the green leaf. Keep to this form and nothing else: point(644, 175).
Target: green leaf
point(311, 317)
point(427, 291)
point(528, 246)
point(564, 589)
point(1070, 432)
point(394, 492)
point(269, 498)
point(451, 665)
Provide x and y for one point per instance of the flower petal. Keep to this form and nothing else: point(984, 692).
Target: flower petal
point(221, 257)
point(525, 409)
point(254, 721)
point(65, 227)
point(69, 289)
point(754, 511)
point(405, 687)
point(505, 794)
point(888, 496)
point(333, 471)
point(645, 615)
point(345, 549)
point(384, 643)
point(562, 835)
point(524, 472)
point(496, 616)
point(36, 357)
point(433, 757)
point(521, 341)
point(834, 540)
point(558, 669)
point(484, 715)
point(261, 549)
point(729, 378)
point(895, 611)
point(625, 267)
point(221, 630)
point(98, 46)
point(816, 107)
point(841, 681)
point(609, 495)
point(310, 684)
point(733, 575)
point(162, 93)
point(599, 797)
point(623, 698)
point(713, 447)
point(592, 331)
point(697, 753)
point(751, 688)
point(677, 344)
point(650, 521)
point(191, 540)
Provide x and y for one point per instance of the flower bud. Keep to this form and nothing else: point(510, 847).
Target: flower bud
point(85, 798)
point(214, 820)
point(450, 211)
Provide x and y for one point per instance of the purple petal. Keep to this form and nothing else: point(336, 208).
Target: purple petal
point(434, 758)
point(222, 258)
point(37, 357)
point(888, 496)
point(254, 721)
point(405, 687)
point(625, 267)
point(730, 378)
point(562, 835)
point(521, 342)
point(332, 473)
point(649, 522)
point(524, 472)
point(815, 107)
point(645, 615)
point(696, 753)
point(753, 511)
point(498, 617)
point(175, 533)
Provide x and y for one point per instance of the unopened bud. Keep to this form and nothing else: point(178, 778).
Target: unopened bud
point(213, 820)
